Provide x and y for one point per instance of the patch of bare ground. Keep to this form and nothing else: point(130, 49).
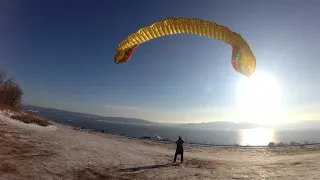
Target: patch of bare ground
point(12, 145)
point(99, 173)
point(17, 152)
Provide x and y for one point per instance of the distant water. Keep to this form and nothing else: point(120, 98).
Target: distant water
point(206, 136)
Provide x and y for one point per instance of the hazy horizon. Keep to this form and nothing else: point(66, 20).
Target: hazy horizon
point(261, 125)
point(61, 53)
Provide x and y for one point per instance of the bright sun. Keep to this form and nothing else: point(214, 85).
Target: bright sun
point(259, 98)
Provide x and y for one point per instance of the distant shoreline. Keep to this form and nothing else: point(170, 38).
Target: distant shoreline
point(166, 141)
point(117, 126)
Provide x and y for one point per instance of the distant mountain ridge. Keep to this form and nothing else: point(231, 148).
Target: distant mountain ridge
point(71, 115)
point(216, 125)
point(306, 124)
point(224, 125)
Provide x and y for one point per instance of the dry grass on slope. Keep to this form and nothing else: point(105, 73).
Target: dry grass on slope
point(18, 114)
point(30, 119)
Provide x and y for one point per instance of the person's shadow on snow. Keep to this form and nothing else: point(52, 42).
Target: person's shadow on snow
point(134, 169)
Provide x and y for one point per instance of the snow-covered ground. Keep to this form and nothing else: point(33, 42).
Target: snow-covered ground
point(58, 152)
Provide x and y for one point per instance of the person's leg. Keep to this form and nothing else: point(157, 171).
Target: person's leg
point(175, 157)
point(181, 156)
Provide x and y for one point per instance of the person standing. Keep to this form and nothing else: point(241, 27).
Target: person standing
point(179, 149)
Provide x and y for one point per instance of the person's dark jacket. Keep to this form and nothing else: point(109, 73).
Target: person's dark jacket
point(179, 145)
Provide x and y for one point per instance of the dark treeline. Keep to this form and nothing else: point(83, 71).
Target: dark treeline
point(10, 92)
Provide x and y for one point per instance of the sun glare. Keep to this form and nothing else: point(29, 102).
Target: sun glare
point(256, 137)
point(259, 98)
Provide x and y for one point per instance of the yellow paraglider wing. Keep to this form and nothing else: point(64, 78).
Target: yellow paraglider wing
point(243, 60)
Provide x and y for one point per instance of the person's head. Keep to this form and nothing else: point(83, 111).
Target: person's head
point(180, 137)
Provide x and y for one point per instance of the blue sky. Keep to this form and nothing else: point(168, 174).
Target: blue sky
point(61, 53)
